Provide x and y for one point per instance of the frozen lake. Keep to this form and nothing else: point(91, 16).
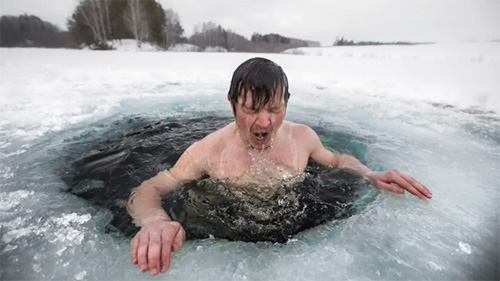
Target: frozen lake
point(431, 111)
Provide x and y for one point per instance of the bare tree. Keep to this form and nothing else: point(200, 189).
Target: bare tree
point(209, 34)
point(108, 22)
point(88, 16)
point(100, 14)
point(93, 14)
point(136, 20)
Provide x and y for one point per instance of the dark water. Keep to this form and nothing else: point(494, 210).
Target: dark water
point(105, 177)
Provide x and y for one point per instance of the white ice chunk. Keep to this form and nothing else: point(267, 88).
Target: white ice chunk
point(434, 266)
point(465, 247)
point(80, 275)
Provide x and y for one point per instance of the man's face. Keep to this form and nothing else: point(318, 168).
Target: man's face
point(258, 127)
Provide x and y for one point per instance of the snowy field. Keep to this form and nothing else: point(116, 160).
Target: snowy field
point(432, 111)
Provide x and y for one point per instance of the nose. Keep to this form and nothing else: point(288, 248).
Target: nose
point(263, 119)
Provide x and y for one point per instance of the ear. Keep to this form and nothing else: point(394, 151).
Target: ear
point(232, 106)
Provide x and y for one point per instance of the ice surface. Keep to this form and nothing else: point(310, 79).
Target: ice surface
point(431, 111)
point(184, 48)
point(465, 247)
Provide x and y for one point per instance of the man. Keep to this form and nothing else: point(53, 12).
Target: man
point(259, 142)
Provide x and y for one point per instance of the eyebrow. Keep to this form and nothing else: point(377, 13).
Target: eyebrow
point(272, 106)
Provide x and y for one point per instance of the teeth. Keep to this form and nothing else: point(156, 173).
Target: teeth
point(260, 136)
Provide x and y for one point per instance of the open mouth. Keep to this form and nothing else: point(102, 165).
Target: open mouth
point(260, 136)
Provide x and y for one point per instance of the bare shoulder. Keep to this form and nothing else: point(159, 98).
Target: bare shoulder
point(302, 131)
point(304, 135)
point(213, 142)
point(193, 162)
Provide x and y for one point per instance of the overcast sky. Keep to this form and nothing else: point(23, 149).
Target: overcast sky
point(318, 20)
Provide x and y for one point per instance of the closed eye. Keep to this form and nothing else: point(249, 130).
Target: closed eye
point(249, 110)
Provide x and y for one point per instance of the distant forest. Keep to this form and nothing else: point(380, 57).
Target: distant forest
point(94, 23)
point(344, 42)
point(31, 31)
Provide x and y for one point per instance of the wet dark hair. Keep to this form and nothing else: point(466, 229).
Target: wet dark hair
point(263, 78)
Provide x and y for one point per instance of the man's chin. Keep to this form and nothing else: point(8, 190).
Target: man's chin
point(259, 146)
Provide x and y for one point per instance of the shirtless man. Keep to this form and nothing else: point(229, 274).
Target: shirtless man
point(258, 142)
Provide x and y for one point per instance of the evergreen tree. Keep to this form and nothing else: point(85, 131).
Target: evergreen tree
point(173, 28)
point(31, 31)
point(156, 16)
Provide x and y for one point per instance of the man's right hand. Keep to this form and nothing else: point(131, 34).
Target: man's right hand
point(151, 247)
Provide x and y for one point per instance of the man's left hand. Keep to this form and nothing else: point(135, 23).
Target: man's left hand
point(398, 182)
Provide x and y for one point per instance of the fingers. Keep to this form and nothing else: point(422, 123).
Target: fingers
point(406, 185)
point(166, 246)
point(388, 180)
point(154, 253)
point(391, 187)
point(151, 248)
point(180, 236)
point(397, 178)
point(142, 252)
point(134, 245)
point(420, 187)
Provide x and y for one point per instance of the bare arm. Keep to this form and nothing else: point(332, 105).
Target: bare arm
point(394, 181)
point(159, 235)
point(344, 161)
point(144, 204)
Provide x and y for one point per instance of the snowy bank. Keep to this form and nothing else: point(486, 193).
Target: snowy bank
point(464, 75)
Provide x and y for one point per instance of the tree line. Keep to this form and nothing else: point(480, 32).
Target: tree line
point(94, 23)
point(344, 42)
point(210, 34)
point(31, 31)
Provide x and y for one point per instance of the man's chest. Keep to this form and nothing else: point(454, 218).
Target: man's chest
point(275, 162)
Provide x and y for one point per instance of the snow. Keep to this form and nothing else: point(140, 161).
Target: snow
point(432, 111)
point(215, 49)
point(130, 45)
point(194, 48)
point(183, 48)
point(463, 75)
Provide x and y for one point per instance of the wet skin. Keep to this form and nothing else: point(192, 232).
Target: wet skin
point(258, 127)
point(230, 153)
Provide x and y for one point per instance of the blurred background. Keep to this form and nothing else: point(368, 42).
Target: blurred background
point(243, 26)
